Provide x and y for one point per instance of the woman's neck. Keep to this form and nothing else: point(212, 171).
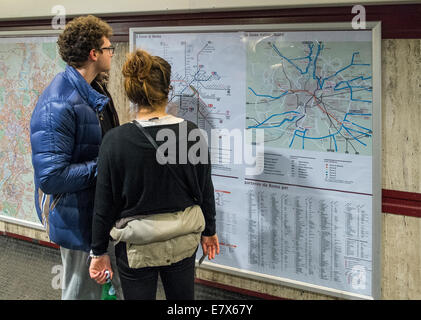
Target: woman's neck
point(146, 114)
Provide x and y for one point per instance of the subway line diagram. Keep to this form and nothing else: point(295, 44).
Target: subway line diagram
point(201, 93)
point(311, 95)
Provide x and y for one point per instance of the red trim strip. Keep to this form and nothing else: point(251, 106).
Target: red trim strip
point(402, 195)
point(401, 203)
point(40, 242)
point(238, 290)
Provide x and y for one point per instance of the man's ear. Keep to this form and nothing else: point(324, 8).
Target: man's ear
point(93, 55)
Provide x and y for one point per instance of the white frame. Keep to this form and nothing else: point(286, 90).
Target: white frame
point(375, 28)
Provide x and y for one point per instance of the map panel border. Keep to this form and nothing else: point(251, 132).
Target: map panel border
point(375, 28)
point(19, 34)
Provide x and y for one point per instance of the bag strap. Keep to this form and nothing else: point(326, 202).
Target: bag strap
point(177, 178)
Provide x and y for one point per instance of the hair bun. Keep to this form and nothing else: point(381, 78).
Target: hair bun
point(138, 65)
point(146, 79)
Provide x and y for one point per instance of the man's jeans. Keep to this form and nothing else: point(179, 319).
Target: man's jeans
point(77, 284)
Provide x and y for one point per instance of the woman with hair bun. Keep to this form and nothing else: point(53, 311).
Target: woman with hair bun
point(134, 181)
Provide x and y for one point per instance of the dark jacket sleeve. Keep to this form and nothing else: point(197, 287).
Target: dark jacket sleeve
point(202, 172)
point(208, 202)
point(53, 132)
point(105, 211)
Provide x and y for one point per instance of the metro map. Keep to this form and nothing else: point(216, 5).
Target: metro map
point(311, 95)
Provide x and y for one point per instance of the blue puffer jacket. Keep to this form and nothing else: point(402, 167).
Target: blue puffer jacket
point(65, 139)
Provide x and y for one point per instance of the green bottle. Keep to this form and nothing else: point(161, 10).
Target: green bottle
point(108, 291)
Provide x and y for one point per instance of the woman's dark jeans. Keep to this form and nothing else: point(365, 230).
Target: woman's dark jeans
point(142, 283)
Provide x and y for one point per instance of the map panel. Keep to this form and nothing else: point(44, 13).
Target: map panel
point(207, 74)
point(208, 79)
point(310, 95)
point(307, 217)
point(27, 65)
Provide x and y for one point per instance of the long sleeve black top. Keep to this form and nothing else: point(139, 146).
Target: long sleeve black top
point(108, 118)
point(131, 181)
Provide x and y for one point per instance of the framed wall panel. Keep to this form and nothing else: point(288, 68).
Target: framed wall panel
point(310, 217)
point(28, 62)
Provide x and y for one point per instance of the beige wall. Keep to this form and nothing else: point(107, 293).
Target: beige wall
point(401, 96)
point(401, 112)
point(10, 9)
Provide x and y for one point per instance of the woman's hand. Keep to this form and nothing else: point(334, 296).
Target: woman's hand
point(98, 267)
point(210, 246)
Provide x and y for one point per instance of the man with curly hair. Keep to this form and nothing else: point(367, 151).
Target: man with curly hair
point(67, 126)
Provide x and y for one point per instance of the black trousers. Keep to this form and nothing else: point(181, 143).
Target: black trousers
point(142, 283)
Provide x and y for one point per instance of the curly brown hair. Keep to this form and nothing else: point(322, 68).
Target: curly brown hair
point(146, 79)
point(80, 36)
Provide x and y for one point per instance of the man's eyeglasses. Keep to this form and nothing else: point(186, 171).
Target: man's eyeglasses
point(108, 48)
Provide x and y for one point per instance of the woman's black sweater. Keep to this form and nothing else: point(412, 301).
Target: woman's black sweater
point(131, 181)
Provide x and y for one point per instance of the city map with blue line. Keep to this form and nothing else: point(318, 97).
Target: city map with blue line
point(311, 95)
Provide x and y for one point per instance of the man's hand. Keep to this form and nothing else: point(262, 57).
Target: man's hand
point(210, 246)
point(98, 267)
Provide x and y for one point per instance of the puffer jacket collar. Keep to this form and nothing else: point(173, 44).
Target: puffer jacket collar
point(96, 100)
